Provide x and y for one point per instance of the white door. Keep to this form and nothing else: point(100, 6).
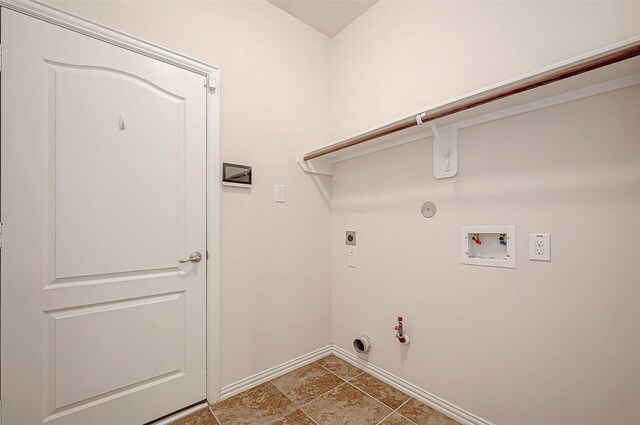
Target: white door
point(103, 191)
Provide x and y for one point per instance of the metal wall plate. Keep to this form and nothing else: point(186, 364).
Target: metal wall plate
point(350, 238)
point(428, 209)
point(236, 175)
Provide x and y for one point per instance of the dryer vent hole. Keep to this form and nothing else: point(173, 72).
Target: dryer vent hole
point(361, 344)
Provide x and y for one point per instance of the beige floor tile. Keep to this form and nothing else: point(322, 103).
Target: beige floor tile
point(260, 405)
point(295, 418)
point(201, 417)
point(379, 390)
point(306, 383)
point(424, 415)
point(346, 405)
point(396, 419)
point(338, 366)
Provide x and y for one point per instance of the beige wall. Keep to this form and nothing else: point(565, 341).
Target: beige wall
point(546, 343)
point(275, 257)
point(401, 56)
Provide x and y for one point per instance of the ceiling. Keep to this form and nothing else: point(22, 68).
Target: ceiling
point(327, 16)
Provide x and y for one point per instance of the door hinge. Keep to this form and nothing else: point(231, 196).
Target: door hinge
point(210, 84)
point(207, 254)
point(0, 57)
point(1, 227)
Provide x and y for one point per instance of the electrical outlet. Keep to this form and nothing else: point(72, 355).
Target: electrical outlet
point(539, 247)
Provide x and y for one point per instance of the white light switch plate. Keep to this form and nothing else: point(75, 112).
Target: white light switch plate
point(539, 246)
point(279, 193)
point(352, 259)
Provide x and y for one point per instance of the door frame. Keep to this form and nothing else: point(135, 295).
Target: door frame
point(211, 82)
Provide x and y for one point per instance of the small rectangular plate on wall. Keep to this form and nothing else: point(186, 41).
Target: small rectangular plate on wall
point(236, 175)
point(493, 246)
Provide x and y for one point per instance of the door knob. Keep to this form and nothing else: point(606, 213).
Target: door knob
point(195, 257)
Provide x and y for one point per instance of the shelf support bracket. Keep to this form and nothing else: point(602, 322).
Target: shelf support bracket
point(315, 166)
point(445, 149)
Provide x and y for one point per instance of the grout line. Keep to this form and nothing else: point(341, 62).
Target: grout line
point(397, 410)
point(420, 395)
point(409, 419)
point(345, 380)
point(214, 415)
point(299, 407)
point(369, 395)
point(326, 392)
point(295, 406)
point(375, 398)
point(334, 374)
point(304, 413)
point(400, 407)
point(386, 417)
point(357, 376)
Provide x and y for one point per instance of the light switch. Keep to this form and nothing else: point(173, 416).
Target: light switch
point(539, 246)
point(280, 193)
point(352, 259)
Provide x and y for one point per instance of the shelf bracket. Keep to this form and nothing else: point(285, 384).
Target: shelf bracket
point(445, 149)
point(315, 166)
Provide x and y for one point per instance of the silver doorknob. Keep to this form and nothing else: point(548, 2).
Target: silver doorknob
point(195, 257)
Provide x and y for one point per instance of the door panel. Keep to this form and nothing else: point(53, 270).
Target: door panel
point(150, 330)
point(132, 124)
point(103, 191)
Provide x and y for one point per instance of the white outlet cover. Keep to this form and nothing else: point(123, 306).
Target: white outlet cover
point(539, 246)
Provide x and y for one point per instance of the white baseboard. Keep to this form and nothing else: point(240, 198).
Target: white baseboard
point(420, 394)
point(274, 372)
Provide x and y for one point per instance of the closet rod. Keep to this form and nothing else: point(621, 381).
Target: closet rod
point(549, 77)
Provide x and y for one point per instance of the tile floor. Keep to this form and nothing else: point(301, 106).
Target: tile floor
point(327, 392)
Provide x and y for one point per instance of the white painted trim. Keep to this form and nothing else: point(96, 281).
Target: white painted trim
point(317, 166)
point(366, 150)
point(582, 93)
point(213, 244)
point(453, 411)
point(274, 372)
point(100, 32)
point(181, 414)
point(92, 29)
point(499, 86)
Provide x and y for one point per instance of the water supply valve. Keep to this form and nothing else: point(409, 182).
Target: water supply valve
point(401, 336)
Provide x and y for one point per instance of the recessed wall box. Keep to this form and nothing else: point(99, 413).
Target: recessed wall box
point(236, 175)
point(493, 246)
point(351, 237)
